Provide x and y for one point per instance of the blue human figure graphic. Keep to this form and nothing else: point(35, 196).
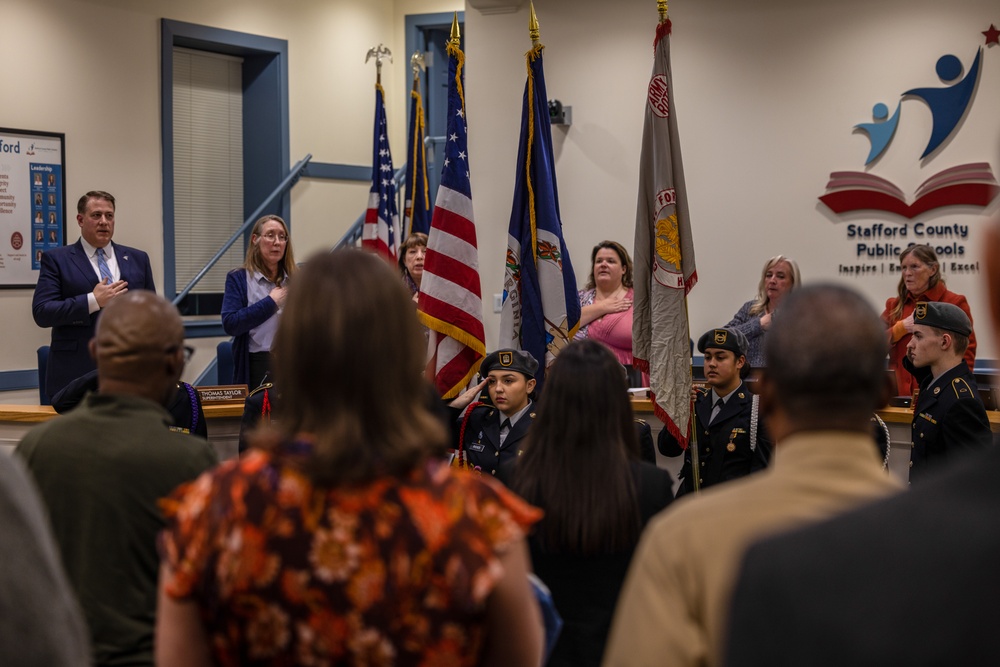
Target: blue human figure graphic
point(948, 104)
point(880, 133)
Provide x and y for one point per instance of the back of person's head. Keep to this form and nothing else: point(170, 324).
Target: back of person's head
point(581, 442)
point(138, 346)
point(351, 362)
point(826, 355)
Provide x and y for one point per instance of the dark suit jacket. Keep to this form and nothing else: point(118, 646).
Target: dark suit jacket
point(948, 420)
point(65, 279)
point(730, 429)
point(482, 440)
point(911, 580)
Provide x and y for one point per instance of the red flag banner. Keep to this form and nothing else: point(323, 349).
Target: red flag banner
point(664, 253)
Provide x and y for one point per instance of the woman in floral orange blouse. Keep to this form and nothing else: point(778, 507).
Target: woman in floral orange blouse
point(346, 540)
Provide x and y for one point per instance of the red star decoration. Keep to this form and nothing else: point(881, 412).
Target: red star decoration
point(992, 35)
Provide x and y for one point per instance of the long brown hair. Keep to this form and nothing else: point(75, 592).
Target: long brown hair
point(351, 360)
point(576, 460)
point(253, 262)
point(925, 254)
point(622, 257)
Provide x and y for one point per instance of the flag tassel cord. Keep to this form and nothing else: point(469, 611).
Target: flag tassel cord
point(692, 419)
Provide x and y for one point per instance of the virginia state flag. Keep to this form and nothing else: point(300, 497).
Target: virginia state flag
point(664, 269)
point(416, 209)
point(381, 228)
point(541, 309)
point(450, 304)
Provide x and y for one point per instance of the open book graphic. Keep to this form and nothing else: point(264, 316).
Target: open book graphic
point(968, 184)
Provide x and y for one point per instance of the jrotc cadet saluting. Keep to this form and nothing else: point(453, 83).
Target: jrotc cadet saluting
point(491, 434)
point(731, 442)
point(948, 415)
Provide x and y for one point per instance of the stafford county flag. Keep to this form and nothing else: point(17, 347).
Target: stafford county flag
point(450, 302)
point(664, 254)
point(381, 229)
point(541, 309)
point(416, 209)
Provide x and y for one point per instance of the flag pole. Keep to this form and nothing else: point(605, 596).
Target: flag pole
point(417, 64)
point(379, 53)
point(661, 7)
point(533, 32)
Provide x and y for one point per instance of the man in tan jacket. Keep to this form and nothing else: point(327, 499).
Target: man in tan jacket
point(825, 376)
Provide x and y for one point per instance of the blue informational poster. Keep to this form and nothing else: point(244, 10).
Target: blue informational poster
point(32, 202)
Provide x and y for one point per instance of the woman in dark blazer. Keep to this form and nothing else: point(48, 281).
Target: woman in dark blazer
point(254, 297)
point(581, 465)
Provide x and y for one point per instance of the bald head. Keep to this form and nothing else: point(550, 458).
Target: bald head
point(826, 358)
point(138, 346)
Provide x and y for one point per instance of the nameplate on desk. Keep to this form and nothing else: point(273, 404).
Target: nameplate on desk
point(227, 393)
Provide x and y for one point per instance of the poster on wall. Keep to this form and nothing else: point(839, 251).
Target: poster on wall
point(32, 202)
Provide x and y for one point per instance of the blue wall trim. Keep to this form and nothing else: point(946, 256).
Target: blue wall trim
point(338, 172)
point(265, 119)
point(17, 380)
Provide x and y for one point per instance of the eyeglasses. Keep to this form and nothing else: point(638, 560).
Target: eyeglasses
point(273, 236)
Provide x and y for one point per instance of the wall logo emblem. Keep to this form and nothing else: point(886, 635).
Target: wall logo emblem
point(970, 184)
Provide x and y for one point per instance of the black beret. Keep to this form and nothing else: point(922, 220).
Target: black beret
point(512, 360)
point(942, 316)
point(724, 339)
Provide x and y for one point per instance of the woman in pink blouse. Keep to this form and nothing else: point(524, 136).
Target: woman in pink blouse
point(606, 302)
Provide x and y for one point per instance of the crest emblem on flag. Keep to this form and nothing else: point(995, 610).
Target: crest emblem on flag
point(541, 308)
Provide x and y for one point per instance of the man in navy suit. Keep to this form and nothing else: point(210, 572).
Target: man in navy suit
point(75, 282)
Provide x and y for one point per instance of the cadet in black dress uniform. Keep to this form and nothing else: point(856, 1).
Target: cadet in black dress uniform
point(948, 418)
point(492, 434)
point(728, 447)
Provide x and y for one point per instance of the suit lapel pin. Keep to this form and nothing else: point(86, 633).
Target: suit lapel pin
point(937, 390)
point(741, 395)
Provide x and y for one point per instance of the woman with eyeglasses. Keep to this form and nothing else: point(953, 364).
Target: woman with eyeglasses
point(254, 297)
point(919, 280)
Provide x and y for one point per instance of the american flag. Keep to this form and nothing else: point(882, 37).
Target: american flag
point(541, 309)
point(416, 211)
point(381, 230)
point(450, 302)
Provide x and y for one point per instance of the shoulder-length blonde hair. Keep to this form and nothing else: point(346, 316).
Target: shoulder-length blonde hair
point(925, 254)
point(253, 262)
point(762, 301)
point(350, 353)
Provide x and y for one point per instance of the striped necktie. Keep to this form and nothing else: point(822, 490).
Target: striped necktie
point(102, 266)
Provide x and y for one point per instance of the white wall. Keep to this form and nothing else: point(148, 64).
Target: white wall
point(766, 95)
point(90, 68)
